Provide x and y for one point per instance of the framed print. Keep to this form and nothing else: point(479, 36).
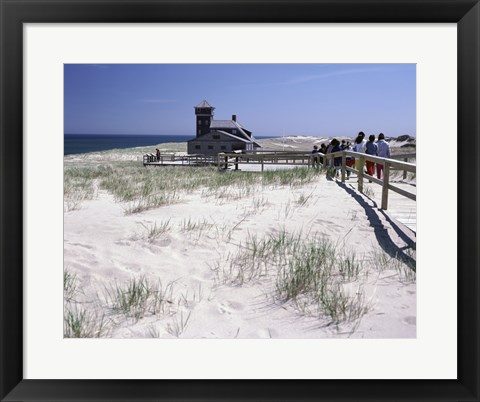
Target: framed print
point(47, 50)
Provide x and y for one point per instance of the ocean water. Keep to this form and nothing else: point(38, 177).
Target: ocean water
point(84, 143)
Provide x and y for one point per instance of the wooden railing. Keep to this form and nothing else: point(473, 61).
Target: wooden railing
point(223, 161)
point(312, 160)
point(274, 158)
point(405, 158)
point(192, 160)
point(388, 166)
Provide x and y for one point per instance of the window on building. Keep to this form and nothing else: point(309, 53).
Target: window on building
point(197, 146)
point(207, 122)
point(216, 136)
point(223, 147)
point(210, 147)
point(199, 131)
point(199, 122)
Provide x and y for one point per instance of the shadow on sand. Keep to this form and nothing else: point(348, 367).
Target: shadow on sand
point(381, 233)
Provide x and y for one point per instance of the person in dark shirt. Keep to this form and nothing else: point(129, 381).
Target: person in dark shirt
point(315, 159)
point(371, 149)
point(337, 161)
point(322, 151)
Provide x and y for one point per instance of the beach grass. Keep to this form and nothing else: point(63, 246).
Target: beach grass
point(81, 323)
point(142, 188)
point(138, 297)
point(304, 271)
point(312, 273)
point(179, 324)
point(70, 286)
point(156, 230)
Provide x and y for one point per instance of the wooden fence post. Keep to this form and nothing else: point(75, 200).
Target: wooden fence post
point(361, 167)
point(344, 164)
point(386, 181)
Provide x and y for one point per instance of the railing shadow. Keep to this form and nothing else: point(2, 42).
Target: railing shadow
point(381, 233)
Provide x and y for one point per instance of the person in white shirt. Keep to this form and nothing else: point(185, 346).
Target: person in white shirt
point(360, 146)
point(383, 151)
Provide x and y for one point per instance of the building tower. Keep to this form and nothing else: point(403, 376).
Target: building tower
point(204, 113)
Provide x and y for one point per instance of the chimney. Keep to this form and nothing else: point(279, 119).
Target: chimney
point(234, 117)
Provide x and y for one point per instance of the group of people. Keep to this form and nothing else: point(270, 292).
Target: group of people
point(380, 148)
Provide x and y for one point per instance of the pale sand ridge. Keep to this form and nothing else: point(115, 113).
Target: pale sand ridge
point(204, 233)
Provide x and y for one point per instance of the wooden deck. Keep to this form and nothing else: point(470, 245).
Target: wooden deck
point(179, 160)
point(400, 208)
point(393, 193)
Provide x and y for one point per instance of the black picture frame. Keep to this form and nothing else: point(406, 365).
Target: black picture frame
point(14, 13)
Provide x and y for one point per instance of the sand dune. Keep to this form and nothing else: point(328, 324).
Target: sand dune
point(204, 249)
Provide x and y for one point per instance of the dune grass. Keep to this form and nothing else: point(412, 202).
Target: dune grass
point(179, 324)
point(310, 272)
point(75, 191)
point(70, 286)
point(81, 323)
point(157, 230)
point(140, 188)
point(139, 297)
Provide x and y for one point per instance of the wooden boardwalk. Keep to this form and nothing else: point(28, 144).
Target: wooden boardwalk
point(179, 160)
point(400, 208)
point(387, 194)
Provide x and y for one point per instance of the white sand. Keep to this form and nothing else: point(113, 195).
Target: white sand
point(104, 246)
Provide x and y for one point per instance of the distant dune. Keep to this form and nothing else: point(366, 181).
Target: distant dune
point(399, 145)
point(306, 143)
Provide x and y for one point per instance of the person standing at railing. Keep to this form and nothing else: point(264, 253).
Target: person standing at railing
point(323, 151)
point(383, 151)
point(158, 154)
point(349, 160)
point(371, 149)
point(359, 146)
point(337, 161)
point(315, 159)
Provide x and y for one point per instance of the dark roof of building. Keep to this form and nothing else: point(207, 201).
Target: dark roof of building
point(215, 124)
point(233, 136)
point(229, 124)
point(240, 137)
point(204, 104)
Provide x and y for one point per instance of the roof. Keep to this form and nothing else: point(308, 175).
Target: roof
point(236, 137)
point(233, 136)
point(247, 140)
point(229, 124)
point(215, 124)
point(204, 104)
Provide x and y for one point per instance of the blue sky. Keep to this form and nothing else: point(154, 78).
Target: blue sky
point(268, 99)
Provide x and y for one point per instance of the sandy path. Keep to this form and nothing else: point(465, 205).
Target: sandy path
point(103, 246)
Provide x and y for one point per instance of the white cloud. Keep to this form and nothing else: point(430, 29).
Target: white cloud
point(311, 77)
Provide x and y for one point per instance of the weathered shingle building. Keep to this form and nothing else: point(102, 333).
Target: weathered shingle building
point(215, 136)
